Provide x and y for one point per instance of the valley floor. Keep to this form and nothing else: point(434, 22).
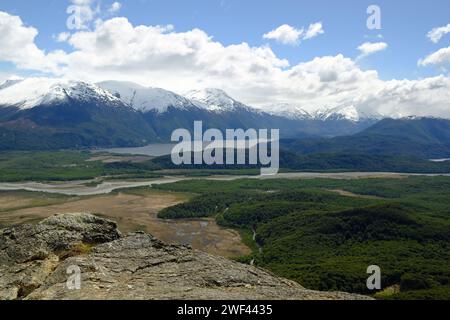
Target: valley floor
point(134, 210)
point(99, 186)
point(321, 230)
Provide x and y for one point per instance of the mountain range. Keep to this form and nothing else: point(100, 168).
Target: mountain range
point(41, 113)
point(425, 138)
point(50, 114)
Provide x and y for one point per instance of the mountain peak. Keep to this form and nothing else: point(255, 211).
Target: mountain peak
point(289, 111)
point(213, 99)
point(145, 99)
point(208, 92)
point(344, 112)
point(32, 92)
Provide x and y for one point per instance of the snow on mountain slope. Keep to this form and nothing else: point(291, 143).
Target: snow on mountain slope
point(337, 113)
point(32, 92)
point(350, 113)
point(145, 99)
point(9, 83)
point(215, 100)
point(289, 111)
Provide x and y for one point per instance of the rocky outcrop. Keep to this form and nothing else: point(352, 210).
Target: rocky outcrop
point(35, 259)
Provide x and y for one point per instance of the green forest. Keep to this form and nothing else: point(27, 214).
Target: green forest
point(311, 233)
point(67, 165)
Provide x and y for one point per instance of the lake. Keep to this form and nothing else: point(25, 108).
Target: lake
point(164, 149)
point(152, 150)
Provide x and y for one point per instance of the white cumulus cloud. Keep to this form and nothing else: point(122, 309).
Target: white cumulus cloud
point(18, 46)
point(314, 30)
point(369, 48)
point(160, 56)
point(436, 34)
point(285, 34)
point(115, 8)
point(62, 36)
point(440, 58)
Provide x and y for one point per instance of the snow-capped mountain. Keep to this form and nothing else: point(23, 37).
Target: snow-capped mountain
point(41, 113)
point(348, 112)
point(215, 100)
point(65, 113)
point(145, 99)
point(289, 111)
point(325, 114)
point(32, 92)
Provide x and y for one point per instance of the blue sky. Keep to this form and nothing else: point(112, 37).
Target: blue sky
point(404, 26)
point(327, 69)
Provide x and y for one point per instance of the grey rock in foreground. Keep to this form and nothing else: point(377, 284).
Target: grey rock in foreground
point(34, 260)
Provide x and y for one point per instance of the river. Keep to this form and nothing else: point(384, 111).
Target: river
point(85, 188)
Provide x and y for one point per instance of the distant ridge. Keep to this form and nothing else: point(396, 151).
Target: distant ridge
point(425, 138)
